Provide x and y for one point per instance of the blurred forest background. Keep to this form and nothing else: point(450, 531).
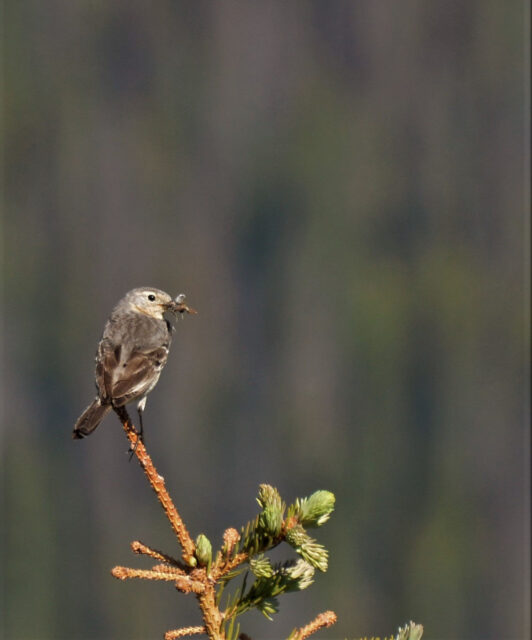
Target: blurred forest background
point(340, 189)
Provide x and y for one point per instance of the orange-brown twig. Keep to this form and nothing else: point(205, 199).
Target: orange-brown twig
point(140, 548)
point(157, 483)
point(325, 619)
point(199, 583)
point(181, 633)
point(221, 567)
point(211, 614)
point(165, 568)
point(186, 585)
point(125, 573)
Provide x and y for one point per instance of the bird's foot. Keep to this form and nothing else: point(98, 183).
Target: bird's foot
point(133, 447)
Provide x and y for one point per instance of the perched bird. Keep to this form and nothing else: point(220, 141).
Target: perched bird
point(131, 354)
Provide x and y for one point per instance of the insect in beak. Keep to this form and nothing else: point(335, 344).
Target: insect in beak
point(178, 305)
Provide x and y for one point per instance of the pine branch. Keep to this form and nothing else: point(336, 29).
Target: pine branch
point(157, 483)
point(182, 633)
point(125, 573)
point(325, 619)
point(206, 575)
point(140, 548)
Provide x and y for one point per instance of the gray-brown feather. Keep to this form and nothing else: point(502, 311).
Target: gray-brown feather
point(130, 357)
point(90, 418)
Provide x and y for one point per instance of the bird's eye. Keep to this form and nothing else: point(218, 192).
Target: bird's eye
point(151, 297)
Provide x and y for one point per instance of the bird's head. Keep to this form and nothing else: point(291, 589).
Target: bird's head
point(154, 302)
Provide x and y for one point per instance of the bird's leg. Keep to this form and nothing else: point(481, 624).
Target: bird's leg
point(141, 404)
point(140, 437)
point(141, 431)
point(124, 417)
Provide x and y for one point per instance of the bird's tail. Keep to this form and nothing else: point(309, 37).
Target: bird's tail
point(90, 418)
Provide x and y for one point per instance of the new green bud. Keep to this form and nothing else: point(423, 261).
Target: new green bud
point(410, 631)
point(316, 509)
point(302, 573)
point(261, 567)
point(296, 536)
point(203, 550)
point(310, 550)
point(269, 497)
point(271, 518)
point(316, 554)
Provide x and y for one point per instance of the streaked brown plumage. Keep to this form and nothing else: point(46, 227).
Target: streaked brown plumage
point(131, 354)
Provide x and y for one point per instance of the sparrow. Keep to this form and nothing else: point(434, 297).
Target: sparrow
point(131, 354)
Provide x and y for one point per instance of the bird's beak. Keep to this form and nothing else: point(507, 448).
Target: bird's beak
point(178, 305)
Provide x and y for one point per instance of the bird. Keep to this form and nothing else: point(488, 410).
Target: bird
point(131, 354)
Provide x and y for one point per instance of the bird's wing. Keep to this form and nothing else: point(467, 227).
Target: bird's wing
point(124, 379)
point(107, 359)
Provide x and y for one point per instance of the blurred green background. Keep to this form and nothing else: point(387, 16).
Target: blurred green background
point(340, 189)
